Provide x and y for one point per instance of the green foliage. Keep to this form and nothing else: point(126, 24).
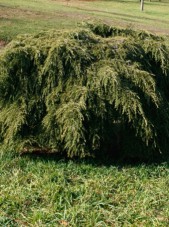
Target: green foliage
point(83, 91)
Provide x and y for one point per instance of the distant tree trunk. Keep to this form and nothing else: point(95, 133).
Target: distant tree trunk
point(142, 5)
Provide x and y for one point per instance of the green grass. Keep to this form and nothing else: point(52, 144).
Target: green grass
point(25, 16)
point(39, 191)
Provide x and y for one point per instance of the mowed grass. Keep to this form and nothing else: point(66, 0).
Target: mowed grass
point(50, 191)
point(29, 16)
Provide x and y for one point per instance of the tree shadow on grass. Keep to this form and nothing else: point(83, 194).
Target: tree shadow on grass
point(100, 160)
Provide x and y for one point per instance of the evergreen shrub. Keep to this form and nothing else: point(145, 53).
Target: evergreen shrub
point(93, 89)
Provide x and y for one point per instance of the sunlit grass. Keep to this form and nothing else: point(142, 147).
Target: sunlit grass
point(23, 16)
point(38, 191)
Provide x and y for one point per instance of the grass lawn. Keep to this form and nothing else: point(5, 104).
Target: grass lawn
point(25, 16)
point(48, 191)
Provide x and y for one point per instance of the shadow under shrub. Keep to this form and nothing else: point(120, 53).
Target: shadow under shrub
point(81, 92)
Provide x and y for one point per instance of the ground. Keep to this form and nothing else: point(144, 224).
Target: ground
point(22, 16)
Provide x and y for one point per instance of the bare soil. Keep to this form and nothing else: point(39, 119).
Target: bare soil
point(2, 43)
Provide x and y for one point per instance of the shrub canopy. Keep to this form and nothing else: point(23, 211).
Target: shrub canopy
point(82, 91)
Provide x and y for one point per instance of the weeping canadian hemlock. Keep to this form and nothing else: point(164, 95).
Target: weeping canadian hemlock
point(88, 90)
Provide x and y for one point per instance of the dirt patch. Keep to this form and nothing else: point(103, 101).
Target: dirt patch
point(11, 13)
point(2, 43)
